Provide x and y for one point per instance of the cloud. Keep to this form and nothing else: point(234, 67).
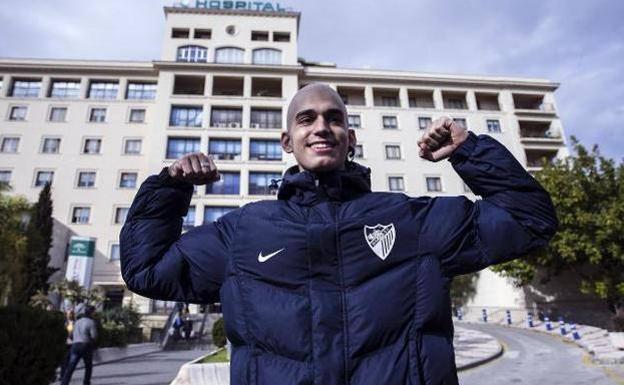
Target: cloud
point(575, 42)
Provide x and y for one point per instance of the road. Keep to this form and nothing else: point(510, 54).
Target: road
point(150, 369)
point(533, 358)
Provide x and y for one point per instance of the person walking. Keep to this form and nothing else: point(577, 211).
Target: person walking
point(69, 326)
point(84, 337)
point(332, 283)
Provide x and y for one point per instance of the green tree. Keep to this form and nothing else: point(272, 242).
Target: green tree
point(463, 289)
point(587, 190)
point(12, 245)
point(38, 242)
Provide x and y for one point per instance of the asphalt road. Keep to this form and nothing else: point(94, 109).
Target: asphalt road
point(150, 369)
point(532, 358)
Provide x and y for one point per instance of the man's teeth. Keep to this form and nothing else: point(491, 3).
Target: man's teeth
point(322, 145)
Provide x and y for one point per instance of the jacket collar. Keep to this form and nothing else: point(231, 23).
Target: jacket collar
point(308, 188)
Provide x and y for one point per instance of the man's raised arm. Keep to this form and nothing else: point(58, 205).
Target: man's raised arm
point(158, 262)
point(515, 216)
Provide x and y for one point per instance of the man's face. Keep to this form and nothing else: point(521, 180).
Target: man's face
point(317, 134)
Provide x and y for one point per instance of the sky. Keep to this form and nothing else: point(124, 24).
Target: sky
point(577, 43)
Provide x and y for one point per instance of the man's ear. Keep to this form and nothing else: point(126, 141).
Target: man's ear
point(352, 138)
point(286, 142)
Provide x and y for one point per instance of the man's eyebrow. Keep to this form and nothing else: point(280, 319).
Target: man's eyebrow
point(309, 111)
point(334, 111)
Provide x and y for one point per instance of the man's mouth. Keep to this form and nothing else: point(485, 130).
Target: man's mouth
point(322, 144)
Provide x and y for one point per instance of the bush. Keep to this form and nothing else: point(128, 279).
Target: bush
point(32, 345)
point(218, 333)
point(618, 323)
point(119, 326)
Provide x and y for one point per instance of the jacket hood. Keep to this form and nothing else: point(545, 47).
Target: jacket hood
point(308, 188)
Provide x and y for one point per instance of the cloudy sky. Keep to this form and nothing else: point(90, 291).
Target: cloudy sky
point(579, 43)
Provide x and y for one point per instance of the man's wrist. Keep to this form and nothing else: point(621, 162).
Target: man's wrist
point(463, 151)
point(165, 178)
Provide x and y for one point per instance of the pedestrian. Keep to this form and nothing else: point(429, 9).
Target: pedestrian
point(187, 327)
point(178, 322)
point(333, 283)
point(69, 326)
point(84, 336)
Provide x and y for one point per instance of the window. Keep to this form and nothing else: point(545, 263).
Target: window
point(265, 118)
point(86, 179)
point(265, 150)
point(212, 213)
point(266, 87)
point(226, 117)
point(188, 220)
point(92, 146)
point(202, 33)
point(65, 89)
point(103, 90)
point(434, 183)
point(281, 36)
point(389, 101)
point(192, 54)
point(225, 149)
point(185, 116)
point(180, 33)
point(229, 184)
point(393, 151)
point(120, 215)
point(97, 115)
point(141, 91)
point(137, 115)
point(132, 146)
point(424, 123)
point(162, 307)
point(43, 177)
point(354, 121)
point(190, 84)
point(461, 122)
point(58, 114)
point(359, 151)
point(395, 183)
point(454, 100)
point(267, 56)
point(177, 147)
point(51, 145)
point(26, 88)
point(80, 215)
point(5, 176)
point(18, 113)
point(229, 55)
point(128, 180)
point(390, 122)
point(260, 182)
point(114, 252)
point(260, 35)
point(493, 125)
point(9, 144)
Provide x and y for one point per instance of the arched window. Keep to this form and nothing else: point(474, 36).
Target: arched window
point(229, 55)
point(267, 56)
point(192, 54)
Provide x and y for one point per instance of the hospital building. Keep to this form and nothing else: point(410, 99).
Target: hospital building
point(96, 129)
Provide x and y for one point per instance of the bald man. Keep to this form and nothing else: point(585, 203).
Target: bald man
point(333, 283)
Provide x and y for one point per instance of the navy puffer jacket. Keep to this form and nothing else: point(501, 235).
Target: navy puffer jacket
point(332, 283)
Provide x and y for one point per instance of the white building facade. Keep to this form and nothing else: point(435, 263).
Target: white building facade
point(97, 129)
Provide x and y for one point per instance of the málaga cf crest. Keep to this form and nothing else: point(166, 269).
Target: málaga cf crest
point(380, 239)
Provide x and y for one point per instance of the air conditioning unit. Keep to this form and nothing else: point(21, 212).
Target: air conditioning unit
point(255, 125)
point(221, 125)
point(235, 125)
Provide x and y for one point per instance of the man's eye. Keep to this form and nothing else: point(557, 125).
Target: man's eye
point(305, 121)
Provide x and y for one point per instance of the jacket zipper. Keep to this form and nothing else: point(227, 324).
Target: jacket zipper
point(343, 297)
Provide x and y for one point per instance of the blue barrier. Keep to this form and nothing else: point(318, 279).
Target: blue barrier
point(484, 315)
point(530, 319)
point(508, 316)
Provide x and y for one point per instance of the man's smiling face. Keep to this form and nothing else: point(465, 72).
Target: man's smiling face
point(318, 135)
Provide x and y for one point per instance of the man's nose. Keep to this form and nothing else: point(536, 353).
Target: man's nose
point(321, 126)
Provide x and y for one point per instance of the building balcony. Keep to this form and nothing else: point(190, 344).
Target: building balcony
point(537, 158)
point(539, 132)
point(532, 104)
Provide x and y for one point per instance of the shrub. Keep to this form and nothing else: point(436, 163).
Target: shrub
point(218, 333)
point(119, 326)
point(32, 345)
point(618, 323)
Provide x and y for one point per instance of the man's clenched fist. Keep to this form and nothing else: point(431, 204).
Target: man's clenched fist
point(195, 168)
point(441, 139)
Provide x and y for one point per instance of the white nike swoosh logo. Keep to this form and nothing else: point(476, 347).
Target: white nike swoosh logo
point(264, 258)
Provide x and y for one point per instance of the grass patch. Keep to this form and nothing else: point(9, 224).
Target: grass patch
point(219, 356)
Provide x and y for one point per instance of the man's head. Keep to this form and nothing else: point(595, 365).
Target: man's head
point(317, 133)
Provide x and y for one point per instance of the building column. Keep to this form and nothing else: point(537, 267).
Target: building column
point(403, 98)
point(471, 101)
point(45, 86)
point(247, 86)
point(123, 85)
point(438, 102)
point(369, 98)
point(6, 84)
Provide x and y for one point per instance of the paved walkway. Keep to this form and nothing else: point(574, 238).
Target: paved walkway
point(474, 347)
point(532, 358)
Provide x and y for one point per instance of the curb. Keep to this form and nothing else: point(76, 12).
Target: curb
point(483, 361)
point(486, 347)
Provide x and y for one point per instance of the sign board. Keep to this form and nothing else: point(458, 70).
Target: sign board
point(225, 4)
point(80, 261)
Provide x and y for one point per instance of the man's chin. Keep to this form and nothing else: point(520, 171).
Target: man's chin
point(323, 166)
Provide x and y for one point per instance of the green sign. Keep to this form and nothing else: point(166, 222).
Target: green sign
point(244, 5)
point(81, 247)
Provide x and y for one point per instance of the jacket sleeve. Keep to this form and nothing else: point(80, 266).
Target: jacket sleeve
point(159, 263)
point(515, 216)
